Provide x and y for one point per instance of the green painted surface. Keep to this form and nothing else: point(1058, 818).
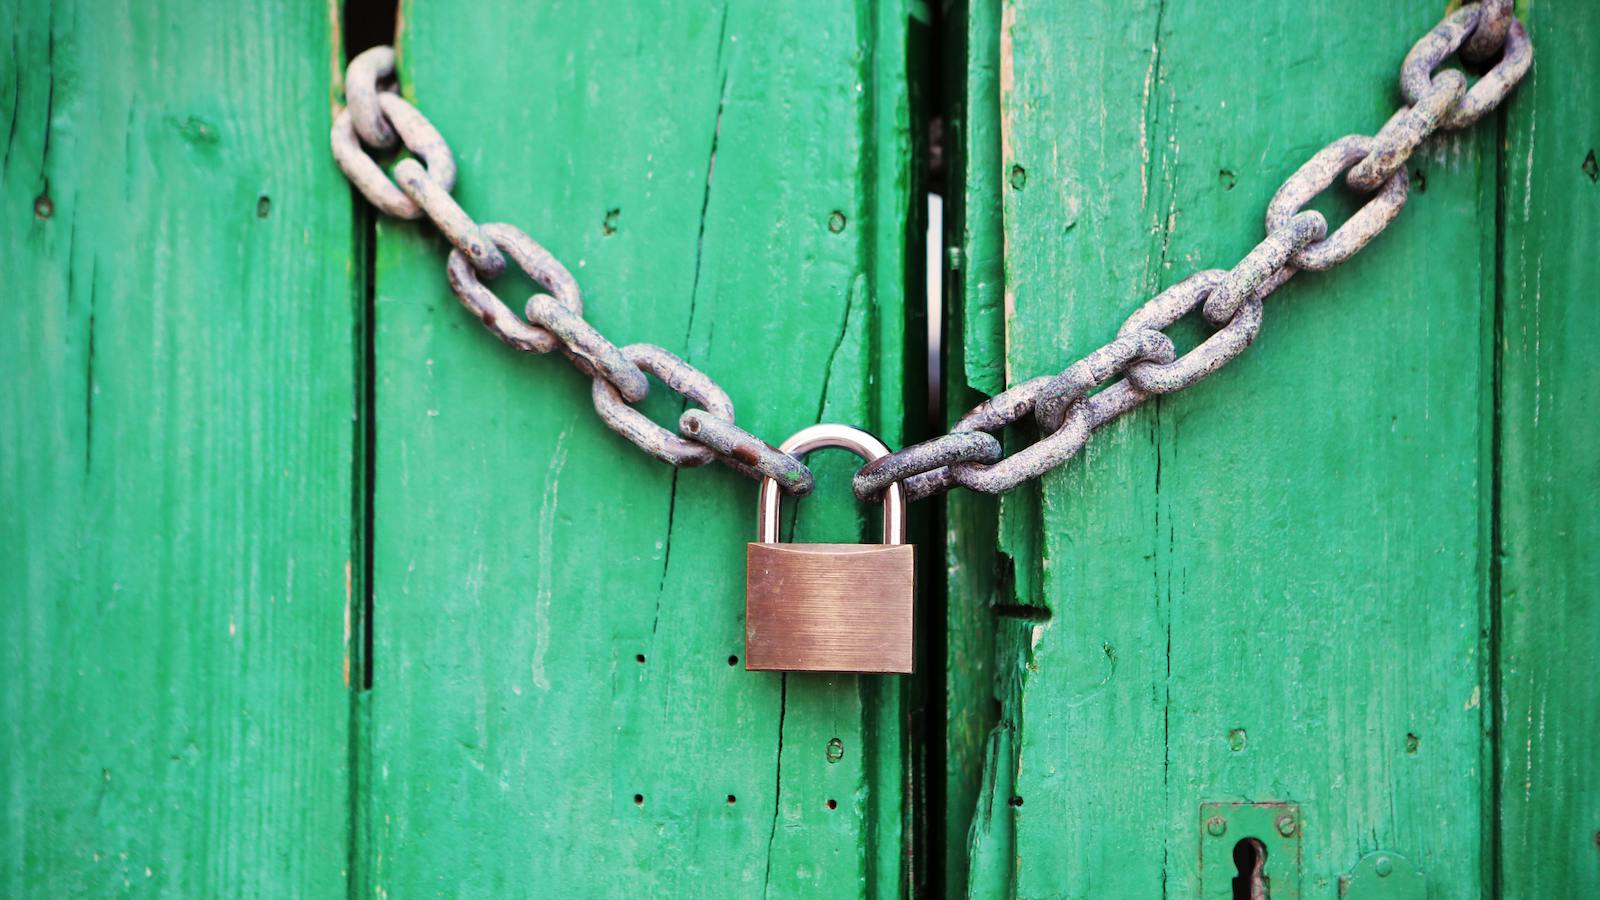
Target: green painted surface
point(685, 165)
point(976, 302)
point(175, 450)
point(970, 47)
point(1382, 875)
point(1549, 577)
point(1350, 571)
point(1281, 584)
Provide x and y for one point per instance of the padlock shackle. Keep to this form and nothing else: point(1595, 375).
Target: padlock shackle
point(843, 437)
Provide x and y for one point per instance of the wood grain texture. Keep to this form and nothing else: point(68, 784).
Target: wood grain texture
point(1354, 570)
point(558, 706)
point(1549, 577)
point(977, 354)
point(1275, 585)
point(175, 448)
point(974, 366)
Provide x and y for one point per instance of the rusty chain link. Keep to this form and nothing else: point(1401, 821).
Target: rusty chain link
point(1230, 300)
point(1316, 176)
point(1516, 57)
point(1140, 362)
point(744, 452)
point(684, 380)
point(538, 264)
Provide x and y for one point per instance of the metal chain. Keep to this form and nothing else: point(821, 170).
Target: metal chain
point(1068, 414)
point(1068, 407)
point(379, 118)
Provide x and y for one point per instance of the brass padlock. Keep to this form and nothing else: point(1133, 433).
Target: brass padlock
point(829, 607)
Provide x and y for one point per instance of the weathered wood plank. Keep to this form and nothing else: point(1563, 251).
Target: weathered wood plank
point(1271, 586)
point(557, 704)
point(1549, 578)
point(974, 364)
point(175, 449)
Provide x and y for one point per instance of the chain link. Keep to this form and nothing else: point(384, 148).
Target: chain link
point(538, 264)
point(1490, 32)
point(362, 79)
point(1516, 56)
point(1264, 268)
point(448, 216)
point(1140, 362)
point(1316, 176)
point(419, 137)
point(1406, 130)
point(1077, 380)
point(1212, 353)
point(586, 346)
point(744, 452)
point(682, 379)
point(928, 456)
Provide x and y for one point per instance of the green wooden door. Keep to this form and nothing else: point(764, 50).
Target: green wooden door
point(311, 587)
point(1350, 571)
point(557, 698)
point(175, 450)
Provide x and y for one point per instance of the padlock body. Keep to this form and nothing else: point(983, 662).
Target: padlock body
point(829, 608)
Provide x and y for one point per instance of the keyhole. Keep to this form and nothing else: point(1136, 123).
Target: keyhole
point(1248, 858)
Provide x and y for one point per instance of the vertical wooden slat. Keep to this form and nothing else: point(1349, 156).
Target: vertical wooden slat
point(174, 452)
point(557, 704)
point(1549, 478)
point(973, 366)
point(1271, 586)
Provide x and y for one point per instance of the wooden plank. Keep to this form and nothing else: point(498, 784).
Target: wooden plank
point(974, 366)
point(1549, 578)
point(1273, 585)
point(558, 704)
point(175, 448)
point(976, 146)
